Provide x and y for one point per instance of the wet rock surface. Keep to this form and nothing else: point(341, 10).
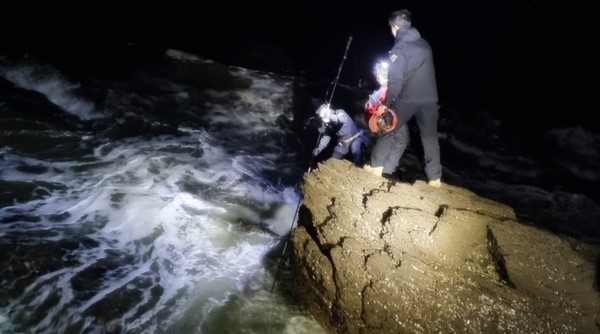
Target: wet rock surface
point(373, 255)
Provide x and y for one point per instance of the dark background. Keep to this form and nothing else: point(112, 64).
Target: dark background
point(524, 61)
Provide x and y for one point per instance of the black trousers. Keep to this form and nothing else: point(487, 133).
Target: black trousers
point(390, 147)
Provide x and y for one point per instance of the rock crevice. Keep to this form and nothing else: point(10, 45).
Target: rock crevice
point(376, 256)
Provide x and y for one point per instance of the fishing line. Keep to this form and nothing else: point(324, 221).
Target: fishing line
point(335, 82)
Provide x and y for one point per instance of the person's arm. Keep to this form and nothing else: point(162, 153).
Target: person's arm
point(323, 142)
point(396, 75)
point(375, 99)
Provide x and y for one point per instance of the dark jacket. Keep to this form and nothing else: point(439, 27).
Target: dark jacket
point(411, 76)
point(341, 126)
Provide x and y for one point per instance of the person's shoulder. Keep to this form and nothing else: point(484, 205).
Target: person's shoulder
point(338, 112)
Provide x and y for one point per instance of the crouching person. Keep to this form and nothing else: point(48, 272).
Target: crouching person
point(339, 128)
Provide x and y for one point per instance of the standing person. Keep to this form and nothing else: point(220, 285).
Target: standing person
point(377, 122)
point(339, 125)
point(411, 92)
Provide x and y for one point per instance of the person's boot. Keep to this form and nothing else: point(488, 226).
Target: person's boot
point(377, 171)
point(435, 183)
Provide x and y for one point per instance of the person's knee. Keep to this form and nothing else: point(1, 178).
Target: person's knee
point(338, 155)
point(402, 138)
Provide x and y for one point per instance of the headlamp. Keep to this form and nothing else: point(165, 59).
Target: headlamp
point(381, 69)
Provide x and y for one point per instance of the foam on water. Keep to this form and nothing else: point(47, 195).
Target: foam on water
point(163, 232)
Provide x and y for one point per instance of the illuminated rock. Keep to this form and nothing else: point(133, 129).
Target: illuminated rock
point(372, 255)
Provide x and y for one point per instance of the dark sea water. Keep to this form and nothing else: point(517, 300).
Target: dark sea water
point(131, 199)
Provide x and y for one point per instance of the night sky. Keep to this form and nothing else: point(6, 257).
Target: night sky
point(517, 58)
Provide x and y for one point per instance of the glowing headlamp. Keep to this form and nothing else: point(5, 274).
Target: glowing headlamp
point(381, 69)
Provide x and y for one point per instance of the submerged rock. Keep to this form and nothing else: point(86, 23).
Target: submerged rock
point(372, 255)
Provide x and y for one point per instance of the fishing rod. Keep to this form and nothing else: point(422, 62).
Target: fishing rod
point(337, 78)
point(335, 81)
point(310, 164)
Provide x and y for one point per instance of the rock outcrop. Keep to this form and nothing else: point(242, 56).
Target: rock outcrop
point(376, 256)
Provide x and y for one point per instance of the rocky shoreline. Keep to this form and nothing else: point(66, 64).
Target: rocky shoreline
point(373, 255)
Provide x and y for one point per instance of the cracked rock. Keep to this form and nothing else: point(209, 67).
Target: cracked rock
point(377, 256)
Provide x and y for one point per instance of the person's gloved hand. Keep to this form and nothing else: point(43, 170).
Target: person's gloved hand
point(323, 127)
